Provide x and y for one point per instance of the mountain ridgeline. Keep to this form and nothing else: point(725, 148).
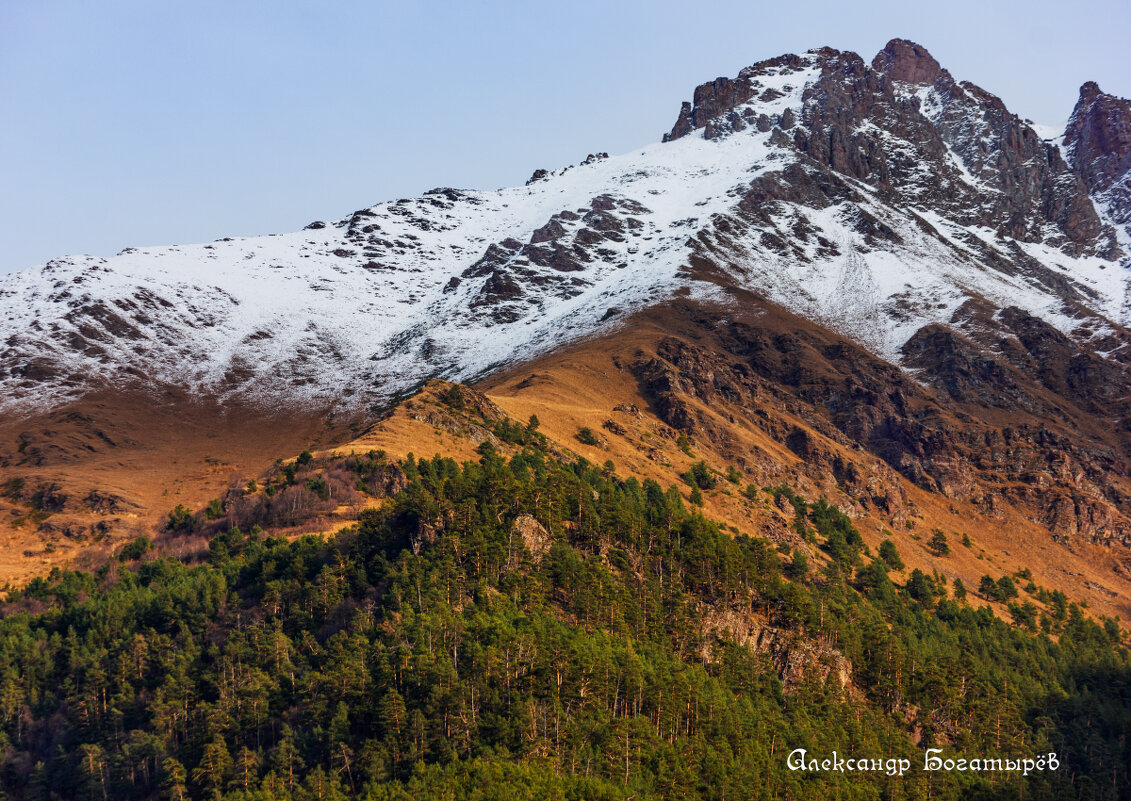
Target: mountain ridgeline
point(806, 427)
point(876, 199)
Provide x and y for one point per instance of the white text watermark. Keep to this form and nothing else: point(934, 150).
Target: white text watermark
point(933, 760)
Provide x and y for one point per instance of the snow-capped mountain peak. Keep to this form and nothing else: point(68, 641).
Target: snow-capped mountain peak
point(876, 199)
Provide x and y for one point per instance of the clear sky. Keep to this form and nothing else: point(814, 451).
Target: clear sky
point(133, 122)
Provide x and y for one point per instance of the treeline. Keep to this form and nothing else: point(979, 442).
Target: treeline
point(528, 628)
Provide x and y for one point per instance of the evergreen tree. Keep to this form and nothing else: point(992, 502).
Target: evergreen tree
point(173, 782)
point(247, 769)
point(921, 588)
point(215, 765)
point(286, 761)
point(890, 555)
point(959, 590)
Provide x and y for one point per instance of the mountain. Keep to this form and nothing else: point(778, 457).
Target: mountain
point(1097, 141)
point(807, 426)
point(939, 288)
point(877, 199)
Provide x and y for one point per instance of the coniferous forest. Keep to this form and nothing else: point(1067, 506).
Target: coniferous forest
point(528, 627)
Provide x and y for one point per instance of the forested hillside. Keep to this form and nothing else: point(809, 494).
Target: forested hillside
point(527, 626)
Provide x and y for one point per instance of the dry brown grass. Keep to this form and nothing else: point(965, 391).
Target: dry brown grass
point(177, 451)
point(149, 452)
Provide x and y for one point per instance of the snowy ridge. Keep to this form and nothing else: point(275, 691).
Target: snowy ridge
point(314, 316)
point(456, 283)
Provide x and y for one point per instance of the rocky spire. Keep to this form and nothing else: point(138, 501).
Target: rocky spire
point(903, 60)
point(1098, 141)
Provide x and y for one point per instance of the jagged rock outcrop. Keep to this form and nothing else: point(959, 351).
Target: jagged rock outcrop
point(794, 657)
point(901, 60)
point(1098, 142)
point(569, 242)
point(906, 127)
point(973, 427)
point(533, 535)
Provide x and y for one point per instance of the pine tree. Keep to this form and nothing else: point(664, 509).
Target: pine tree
point(921, 588)
point(959, 590)
point(173, 781)
point(247, 769)
point(94, 770)
point(214, 767)
point(890, 555)
point(989, 589)
point(286, 761)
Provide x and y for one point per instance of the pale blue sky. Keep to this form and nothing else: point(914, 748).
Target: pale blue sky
point(131, 123)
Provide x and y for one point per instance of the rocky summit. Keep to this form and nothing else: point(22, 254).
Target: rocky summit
point(1098, 144)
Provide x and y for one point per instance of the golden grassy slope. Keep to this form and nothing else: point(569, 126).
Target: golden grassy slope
point(144, 454)
point(590, 384)
point(153, 454)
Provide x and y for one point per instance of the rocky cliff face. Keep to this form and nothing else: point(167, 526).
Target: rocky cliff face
point(1098, 141)
point(904, 126)
point(980, 431)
